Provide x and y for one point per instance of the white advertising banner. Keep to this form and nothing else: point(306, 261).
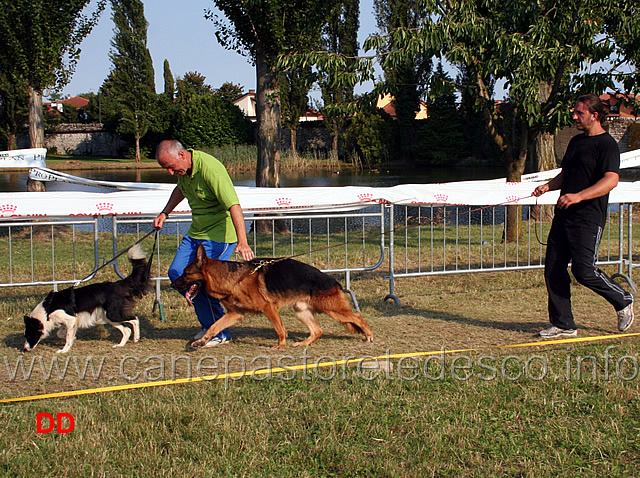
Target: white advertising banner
point(149, 199)
point(271, 200)
point(23, 158)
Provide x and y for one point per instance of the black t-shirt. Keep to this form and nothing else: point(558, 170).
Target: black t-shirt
point(584, 164)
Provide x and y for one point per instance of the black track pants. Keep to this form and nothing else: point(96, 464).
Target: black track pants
point(576, 242)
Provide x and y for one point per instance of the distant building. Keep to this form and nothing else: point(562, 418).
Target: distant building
point(75, 101)
point(387, 103)
point(617, 106)
point(247, 103)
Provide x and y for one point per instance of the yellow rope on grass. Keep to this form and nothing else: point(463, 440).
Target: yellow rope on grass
point(236, 375)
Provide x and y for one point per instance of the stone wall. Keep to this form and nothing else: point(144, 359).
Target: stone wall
point(617, 127)
point(80, 139)
point(312, 137)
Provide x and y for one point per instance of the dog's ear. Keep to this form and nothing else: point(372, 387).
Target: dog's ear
point(201, 256)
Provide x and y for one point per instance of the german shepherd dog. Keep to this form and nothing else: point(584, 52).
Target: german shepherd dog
point(84, 307)
point(267, 285)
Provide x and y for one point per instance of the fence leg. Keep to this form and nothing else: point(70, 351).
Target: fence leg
point(157, 303)
point(391, 294)
point(626, 277)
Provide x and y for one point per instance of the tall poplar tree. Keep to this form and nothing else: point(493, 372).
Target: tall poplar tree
point(169, 82)
point(262, 30)
point(131, 83)
point(407, 78)
point(39, 45)
point(339, 37)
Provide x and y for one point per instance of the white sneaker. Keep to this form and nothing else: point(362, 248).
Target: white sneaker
point(217, 341)
point(625, 317)
point(554, 331)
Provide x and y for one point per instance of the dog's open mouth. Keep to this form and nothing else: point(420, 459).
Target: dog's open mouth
point(192, 292)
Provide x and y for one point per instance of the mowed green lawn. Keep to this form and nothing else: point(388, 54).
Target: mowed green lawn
point(554, 409)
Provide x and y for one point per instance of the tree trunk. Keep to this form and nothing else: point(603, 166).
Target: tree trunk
point(515, 169)
point(36, 131)
point(545, 152)
point(546, 160)
point(334, 147)
point(36, 118)
point(293, 132)
point(268, 113)
point(11, 141)
point(137, 148)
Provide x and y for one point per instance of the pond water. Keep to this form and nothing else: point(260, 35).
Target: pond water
point(13, 181)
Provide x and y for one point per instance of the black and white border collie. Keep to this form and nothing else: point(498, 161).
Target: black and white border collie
point(83, 307)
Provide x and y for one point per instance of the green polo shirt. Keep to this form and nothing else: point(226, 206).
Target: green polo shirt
point(210, 193)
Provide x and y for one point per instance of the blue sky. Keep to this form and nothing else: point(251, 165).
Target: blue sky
point(179, 33)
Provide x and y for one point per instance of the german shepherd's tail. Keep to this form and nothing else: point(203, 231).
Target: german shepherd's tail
point(353, 328)
point(138, 281)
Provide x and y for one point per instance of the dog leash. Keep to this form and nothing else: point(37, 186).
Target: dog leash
point(535, 226)
point(121, 253)
point(263, 263)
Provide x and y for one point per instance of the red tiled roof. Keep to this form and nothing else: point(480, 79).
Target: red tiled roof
point(75, 101)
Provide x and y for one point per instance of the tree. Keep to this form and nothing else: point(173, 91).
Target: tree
point(407, 78)
point(439, 139)
point(623, 24)
point(560, 45)
point(131, 83)
point(190, 85)
point(263, 30)
point(39, 44)
point(229, 91)
point(169, 84)
point(339, 37)
point(295, 84)
point(369, 137)
point(14, 106)
point(209, 120)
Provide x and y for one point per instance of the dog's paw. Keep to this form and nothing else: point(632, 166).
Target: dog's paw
point(278, 347)
point(63, 350)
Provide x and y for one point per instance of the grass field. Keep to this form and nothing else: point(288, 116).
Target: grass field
point(550, 409)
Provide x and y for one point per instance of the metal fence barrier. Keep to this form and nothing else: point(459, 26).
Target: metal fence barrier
point(421, 241)
point(432, 240)
point(50, 252)
point(340, 242)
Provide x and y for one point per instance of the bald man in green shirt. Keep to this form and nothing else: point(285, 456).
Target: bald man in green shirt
point(216, 215)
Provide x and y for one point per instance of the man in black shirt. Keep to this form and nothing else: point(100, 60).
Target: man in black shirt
point(590, 170)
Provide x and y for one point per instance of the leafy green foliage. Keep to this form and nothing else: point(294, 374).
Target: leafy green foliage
point(369, 137)
point(207, 120)
point(190, 85)
point(339, 36)
point(13, 106)
point(440, 139)
point(263, 30)
point(406, 79)
point(39, 46)
point(229, 91)
point(39, 40)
